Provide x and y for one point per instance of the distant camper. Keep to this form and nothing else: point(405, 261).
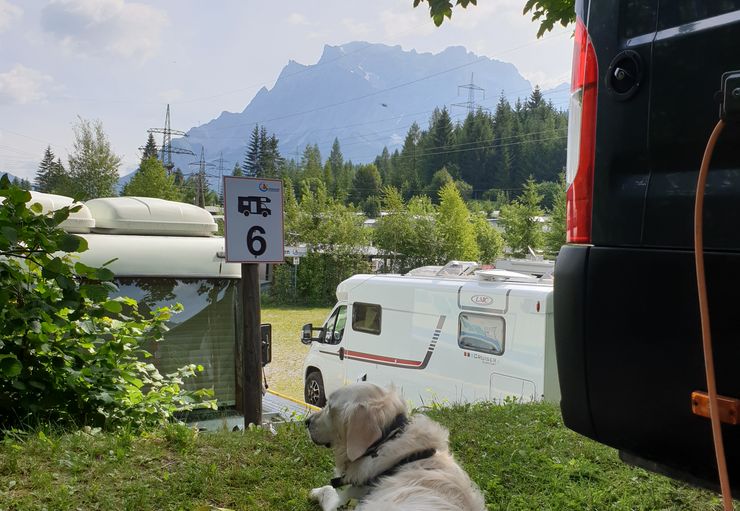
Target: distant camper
point(439, 334)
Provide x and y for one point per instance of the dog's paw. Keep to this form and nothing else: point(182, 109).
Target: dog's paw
point(326, 496)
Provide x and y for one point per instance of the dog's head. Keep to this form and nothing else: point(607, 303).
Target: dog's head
point(353, 419)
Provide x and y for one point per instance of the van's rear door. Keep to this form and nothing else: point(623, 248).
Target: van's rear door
point(626, 313)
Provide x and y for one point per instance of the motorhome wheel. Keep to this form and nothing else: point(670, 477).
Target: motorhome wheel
point(314, 389)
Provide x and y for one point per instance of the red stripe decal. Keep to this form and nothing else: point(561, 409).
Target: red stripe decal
point(380, 358)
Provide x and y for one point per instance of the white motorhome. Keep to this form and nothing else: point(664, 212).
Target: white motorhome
point(445, 335)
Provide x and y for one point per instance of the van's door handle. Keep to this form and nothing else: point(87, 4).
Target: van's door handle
point(341, 353)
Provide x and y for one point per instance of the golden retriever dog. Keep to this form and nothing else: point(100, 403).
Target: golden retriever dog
point(386, 460)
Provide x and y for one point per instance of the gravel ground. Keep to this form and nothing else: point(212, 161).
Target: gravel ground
point(284, 372)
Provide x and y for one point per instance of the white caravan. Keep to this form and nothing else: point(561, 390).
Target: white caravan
point(440, 335)
point(164, 253)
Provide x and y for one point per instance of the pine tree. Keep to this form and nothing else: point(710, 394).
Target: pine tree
point(270, 158)
point(501, 160)
point(366, 183)
point(59, 179)
point(383, 162)
point(475, 137)
point(251, 165)
point(264, 154)
point(150, 149)
point(238, 172)
point(536, 99)
point(335, 162)
point(311, 163)
point(408, 177)
point(440, 137)
point(44, 174)
point(329, 178)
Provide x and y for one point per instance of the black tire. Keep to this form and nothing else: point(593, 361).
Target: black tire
point(313, 389)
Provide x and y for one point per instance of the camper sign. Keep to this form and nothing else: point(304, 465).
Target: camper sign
point(253, 212)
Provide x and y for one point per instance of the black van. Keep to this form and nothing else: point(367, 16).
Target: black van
point(627, 327)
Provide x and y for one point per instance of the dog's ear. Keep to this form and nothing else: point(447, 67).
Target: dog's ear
point(362, 431)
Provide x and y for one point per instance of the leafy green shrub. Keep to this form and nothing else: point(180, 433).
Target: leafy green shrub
point(69, 354)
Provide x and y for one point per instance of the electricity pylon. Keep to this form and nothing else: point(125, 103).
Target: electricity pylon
point(166, 150)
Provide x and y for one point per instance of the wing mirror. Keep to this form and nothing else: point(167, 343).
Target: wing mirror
point(307, 334)
point(266, 335)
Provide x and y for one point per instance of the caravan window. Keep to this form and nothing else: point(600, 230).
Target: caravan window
point(203, 333)
point(481, 332)
point(366, 318)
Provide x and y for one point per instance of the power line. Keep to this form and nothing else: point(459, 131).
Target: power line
point(492, 146)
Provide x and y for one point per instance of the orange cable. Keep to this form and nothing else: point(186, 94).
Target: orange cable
point(706, 333)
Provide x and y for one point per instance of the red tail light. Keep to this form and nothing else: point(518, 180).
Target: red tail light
point(579, 171)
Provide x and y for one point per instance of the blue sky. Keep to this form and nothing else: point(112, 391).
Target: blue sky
point(122, 61)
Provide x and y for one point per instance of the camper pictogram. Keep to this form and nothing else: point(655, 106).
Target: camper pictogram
point(254, 205)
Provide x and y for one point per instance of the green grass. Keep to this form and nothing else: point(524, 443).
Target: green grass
point(521, 456)
point(284, 373)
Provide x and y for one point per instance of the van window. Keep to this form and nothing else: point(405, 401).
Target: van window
point(481, 332)
point(366, 318)
point(335, 326)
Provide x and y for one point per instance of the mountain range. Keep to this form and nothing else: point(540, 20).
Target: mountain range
point(365, 95)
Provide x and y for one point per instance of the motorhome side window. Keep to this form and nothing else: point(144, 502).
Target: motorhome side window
point(481, 332)
point(366, 318)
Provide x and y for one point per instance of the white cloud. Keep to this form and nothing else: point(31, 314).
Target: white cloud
point(297, 18)
point(8, 14)
point(99, 27)
point(23, 85)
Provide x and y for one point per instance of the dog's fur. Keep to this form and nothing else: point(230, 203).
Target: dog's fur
point(353, 419)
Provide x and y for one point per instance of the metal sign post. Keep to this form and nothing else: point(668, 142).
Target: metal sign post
point(253, 217)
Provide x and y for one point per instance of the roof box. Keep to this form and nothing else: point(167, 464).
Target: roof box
point(78, 222)
point(150, 216)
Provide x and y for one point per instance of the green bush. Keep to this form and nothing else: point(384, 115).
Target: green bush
point(70, 354)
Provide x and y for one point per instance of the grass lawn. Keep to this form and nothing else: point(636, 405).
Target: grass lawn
point(521, 456)
point(284, 372)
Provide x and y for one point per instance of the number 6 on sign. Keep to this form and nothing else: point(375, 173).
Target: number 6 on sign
point(253, 239)
point(253, 214)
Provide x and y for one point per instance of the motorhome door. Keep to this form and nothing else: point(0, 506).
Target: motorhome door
point(332, 349)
